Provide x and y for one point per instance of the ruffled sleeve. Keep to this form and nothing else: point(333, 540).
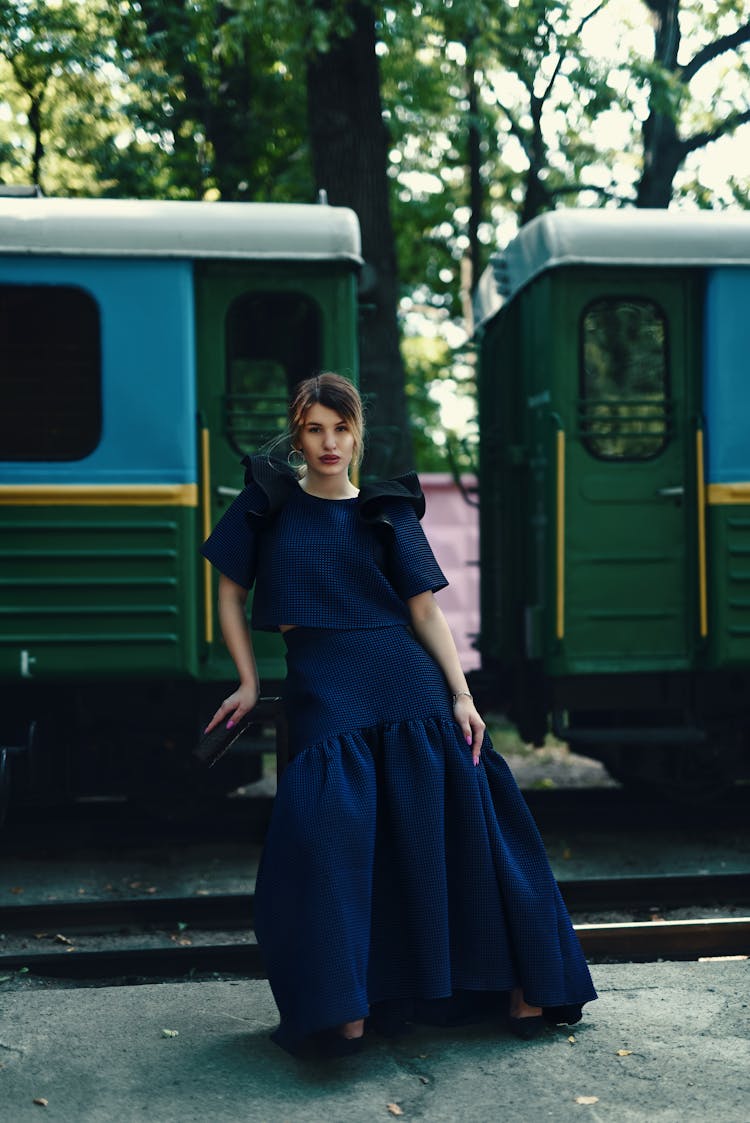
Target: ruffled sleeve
point(232, 546)
point(394, 508)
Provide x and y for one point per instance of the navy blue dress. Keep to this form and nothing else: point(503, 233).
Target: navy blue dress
point(394, 869)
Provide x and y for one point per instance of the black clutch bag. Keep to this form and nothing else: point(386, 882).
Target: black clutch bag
point(212, 746)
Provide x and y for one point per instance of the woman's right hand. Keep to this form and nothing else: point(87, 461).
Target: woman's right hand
point(234, 708)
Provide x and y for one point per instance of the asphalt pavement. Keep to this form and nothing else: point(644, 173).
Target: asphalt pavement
point(665, 1043)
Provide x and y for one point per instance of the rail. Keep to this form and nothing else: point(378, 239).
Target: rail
point(632, 941)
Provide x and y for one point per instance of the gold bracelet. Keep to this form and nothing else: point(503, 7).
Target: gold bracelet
point(462, 694)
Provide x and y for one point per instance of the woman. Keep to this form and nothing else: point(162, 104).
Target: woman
point(402, 877)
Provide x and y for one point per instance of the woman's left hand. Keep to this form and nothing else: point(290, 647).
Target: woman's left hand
point(472, 726)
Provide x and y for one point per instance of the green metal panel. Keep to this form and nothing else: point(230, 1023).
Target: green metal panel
point(97, 591)
point(728, 545)
point(332, 286)
point(630, 588)
point(502, 461)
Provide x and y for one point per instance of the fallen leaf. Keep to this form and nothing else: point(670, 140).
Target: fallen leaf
point(394, 1109)
point(624, 1052)
point(170, 1033)
point(181, 941)
point(40, 1100)
point(202, 893)
point(572, 1039)
point(151, 889)
point(656, 919)
point(135, 884)
point(16, 889)
point(587, 1099)
point(41, 935)
point(81, 892)
point(62, 939)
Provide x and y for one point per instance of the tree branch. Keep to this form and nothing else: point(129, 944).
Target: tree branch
point(576, 188)
point(700, 140)
point(713, 50)
point(519, 133)
point(564, 54)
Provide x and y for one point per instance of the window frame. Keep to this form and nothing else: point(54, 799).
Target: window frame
point(232, 432)
point(585, 400)
point(50, 364)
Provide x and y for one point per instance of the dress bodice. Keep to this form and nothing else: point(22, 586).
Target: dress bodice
point(324, 563)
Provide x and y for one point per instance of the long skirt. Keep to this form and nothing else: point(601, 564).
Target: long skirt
point(394, 868)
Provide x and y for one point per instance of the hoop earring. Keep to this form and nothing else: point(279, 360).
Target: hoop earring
point(300, 463)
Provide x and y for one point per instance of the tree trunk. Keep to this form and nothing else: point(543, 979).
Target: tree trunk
point(35, 124)
point(349, 147)
point(474, 155)
point(661, 162)
point(662, 152)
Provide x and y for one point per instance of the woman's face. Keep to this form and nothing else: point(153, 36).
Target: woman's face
point(327, 443)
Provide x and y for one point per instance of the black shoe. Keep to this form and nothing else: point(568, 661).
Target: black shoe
point(527, 1028)
point(389, 1025)
point(391, 1018)
point(329, 1044)
point(562, 1015)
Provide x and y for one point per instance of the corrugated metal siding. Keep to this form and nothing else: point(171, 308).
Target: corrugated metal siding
point(729, 592)
point(94, 592)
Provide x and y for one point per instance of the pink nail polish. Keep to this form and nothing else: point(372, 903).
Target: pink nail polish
point(468, 740)
point(230, 723)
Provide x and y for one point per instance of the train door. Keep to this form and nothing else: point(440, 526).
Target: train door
point(628, 536)
point(256, 338)
point(259, 330)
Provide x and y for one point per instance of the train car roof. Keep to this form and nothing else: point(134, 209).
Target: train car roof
point(161, 228)
point(611, 238)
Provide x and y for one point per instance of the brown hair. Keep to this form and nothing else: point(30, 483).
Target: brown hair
point(334, 392)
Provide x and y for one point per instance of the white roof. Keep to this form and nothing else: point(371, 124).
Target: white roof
point(615, 238)
point(159, 228)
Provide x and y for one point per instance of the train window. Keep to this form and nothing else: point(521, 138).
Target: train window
point(50, 373)
point(624, 406)
point(273, 341)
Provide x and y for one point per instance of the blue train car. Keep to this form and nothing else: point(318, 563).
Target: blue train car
point(144, 348)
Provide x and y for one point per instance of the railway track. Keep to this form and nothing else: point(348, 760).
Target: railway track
point(117, 823)
point(129, 920)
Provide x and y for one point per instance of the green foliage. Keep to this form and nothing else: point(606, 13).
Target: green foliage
point(206, 99)
point(438, 447)
point(61, 91)
point(206, 82)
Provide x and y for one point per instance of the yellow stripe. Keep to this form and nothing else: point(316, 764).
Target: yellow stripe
point(701, 501)
point(560, 620)
point(208, 598)
point(728, 493)
point(98, 495)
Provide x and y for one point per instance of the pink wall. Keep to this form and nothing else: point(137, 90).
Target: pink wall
point(452, 526)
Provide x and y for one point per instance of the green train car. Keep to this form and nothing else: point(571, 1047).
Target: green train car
point(614, 398)
point(144, 348)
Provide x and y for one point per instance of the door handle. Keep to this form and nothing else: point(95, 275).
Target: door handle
point(671, 492)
